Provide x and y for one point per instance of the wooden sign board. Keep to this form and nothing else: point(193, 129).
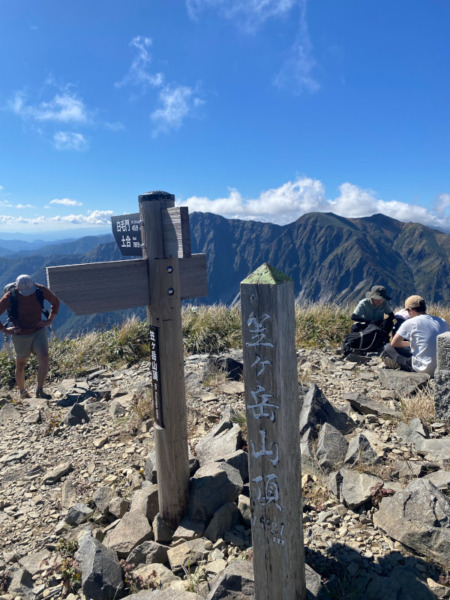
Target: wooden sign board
point(127, 232)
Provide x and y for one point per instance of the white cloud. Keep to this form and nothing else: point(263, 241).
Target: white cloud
point(177, 102)
point(248, 14)
point(296, 72)
point(291, 200)
point(1, 188)
point(62, 108)
point(138, 73)
point(69, 140)
point(91, 219)
point(66, 202)
point(443, 203)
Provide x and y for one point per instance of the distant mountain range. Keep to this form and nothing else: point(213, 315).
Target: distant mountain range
point(329, 258)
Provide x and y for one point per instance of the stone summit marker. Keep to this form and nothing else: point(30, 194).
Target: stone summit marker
point(165, 275)
point(272, 410)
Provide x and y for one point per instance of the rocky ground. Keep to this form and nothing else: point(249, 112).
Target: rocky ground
point(77, 475)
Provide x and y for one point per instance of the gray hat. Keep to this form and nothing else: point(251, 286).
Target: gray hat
point(25, 285)
point(377, 292)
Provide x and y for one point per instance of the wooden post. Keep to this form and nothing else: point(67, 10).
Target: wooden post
point(272, 411)
point(167, 274)
point(442, 378)
point(164, 313)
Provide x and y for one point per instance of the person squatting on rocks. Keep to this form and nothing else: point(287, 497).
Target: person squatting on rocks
point(29, 329)
point(371, 310)
point(414, 346)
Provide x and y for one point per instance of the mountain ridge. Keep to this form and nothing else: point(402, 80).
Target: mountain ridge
point(330, 259)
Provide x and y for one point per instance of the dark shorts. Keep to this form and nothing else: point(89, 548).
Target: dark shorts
point(35, 343)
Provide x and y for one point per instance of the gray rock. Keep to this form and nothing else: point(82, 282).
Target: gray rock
point(238, 460)
point(79, 513)
point(352, 488)
point(316, 410)
point(150, 468)
point(186, 555)
point(118, 507)
point(132, 530)
point(145, 500)
point(223, 520)
point(403, 382)
point(211, 487)
point(162, 531)
point(366, 406)
point(147, 553)
point(55, 474)
point(244, 507)
point(21, 584)
point(77, 415)
point(237, 582)
point(101, 573)
point(360, 451)
point(418, 517)
point(116, 409)
point(440, 479)
point(102, 498)
point(419, 426)
point(331, 448)
point(224, 439)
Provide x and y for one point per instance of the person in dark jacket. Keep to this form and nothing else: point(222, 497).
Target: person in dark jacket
point(372, 309)
point(29, 329)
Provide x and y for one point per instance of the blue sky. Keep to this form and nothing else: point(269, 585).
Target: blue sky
point(261, 109)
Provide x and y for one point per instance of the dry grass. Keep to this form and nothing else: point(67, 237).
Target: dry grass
point(419, 405)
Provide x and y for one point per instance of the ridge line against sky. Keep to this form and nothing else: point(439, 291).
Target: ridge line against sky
point(253, 109)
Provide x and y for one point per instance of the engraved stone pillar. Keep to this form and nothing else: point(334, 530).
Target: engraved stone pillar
point(442, 378)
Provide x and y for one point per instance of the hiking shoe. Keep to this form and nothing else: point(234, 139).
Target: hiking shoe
point(390, 363)
point(41, 394)
point(24, 394)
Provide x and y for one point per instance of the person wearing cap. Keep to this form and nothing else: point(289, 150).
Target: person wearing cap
point(29, 329)
point(413, 347)
point(372, 309)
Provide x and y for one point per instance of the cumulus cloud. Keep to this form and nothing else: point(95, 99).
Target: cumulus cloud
point(296, 74)
point(62, 108)
point(138, 73)
point(176, 103)
point(291, 200)
point(69, 140)
point(248, 14)
point(66, 202)
point(443, 203)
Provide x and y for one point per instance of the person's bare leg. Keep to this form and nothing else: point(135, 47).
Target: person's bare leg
point(20, 373)
point(43, 368)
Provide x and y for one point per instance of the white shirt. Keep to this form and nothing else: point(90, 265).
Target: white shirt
point(421, 332)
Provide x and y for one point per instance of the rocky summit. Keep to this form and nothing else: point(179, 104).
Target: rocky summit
point(79, 492)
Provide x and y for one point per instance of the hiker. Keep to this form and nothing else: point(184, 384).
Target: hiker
point(24, 300)
point(371, 310)
point(413, 347)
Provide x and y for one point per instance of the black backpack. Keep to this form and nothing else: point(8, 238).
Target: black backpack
point(13, 307)
point(370, 339)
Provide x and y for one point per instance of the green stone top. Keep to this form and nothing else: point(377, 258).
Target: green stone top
point(266, 274)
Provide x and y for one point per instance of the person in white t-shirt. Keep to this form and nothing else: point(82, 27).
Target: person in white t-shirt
point(413, 347)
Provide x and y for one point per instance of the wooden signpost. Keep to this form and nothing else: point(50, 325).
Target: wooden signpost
point(165, 275)
point(272, 411)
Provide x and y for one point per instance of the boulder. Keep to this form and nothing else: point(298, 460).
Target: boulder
point(132, 530)
point(147, 553)
point(317, 410)
point(224, 439)
point(211, 487)
point(360, 451)
point(418, 517)
point(101, 573)
point(331, 448)
point(352, 488)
